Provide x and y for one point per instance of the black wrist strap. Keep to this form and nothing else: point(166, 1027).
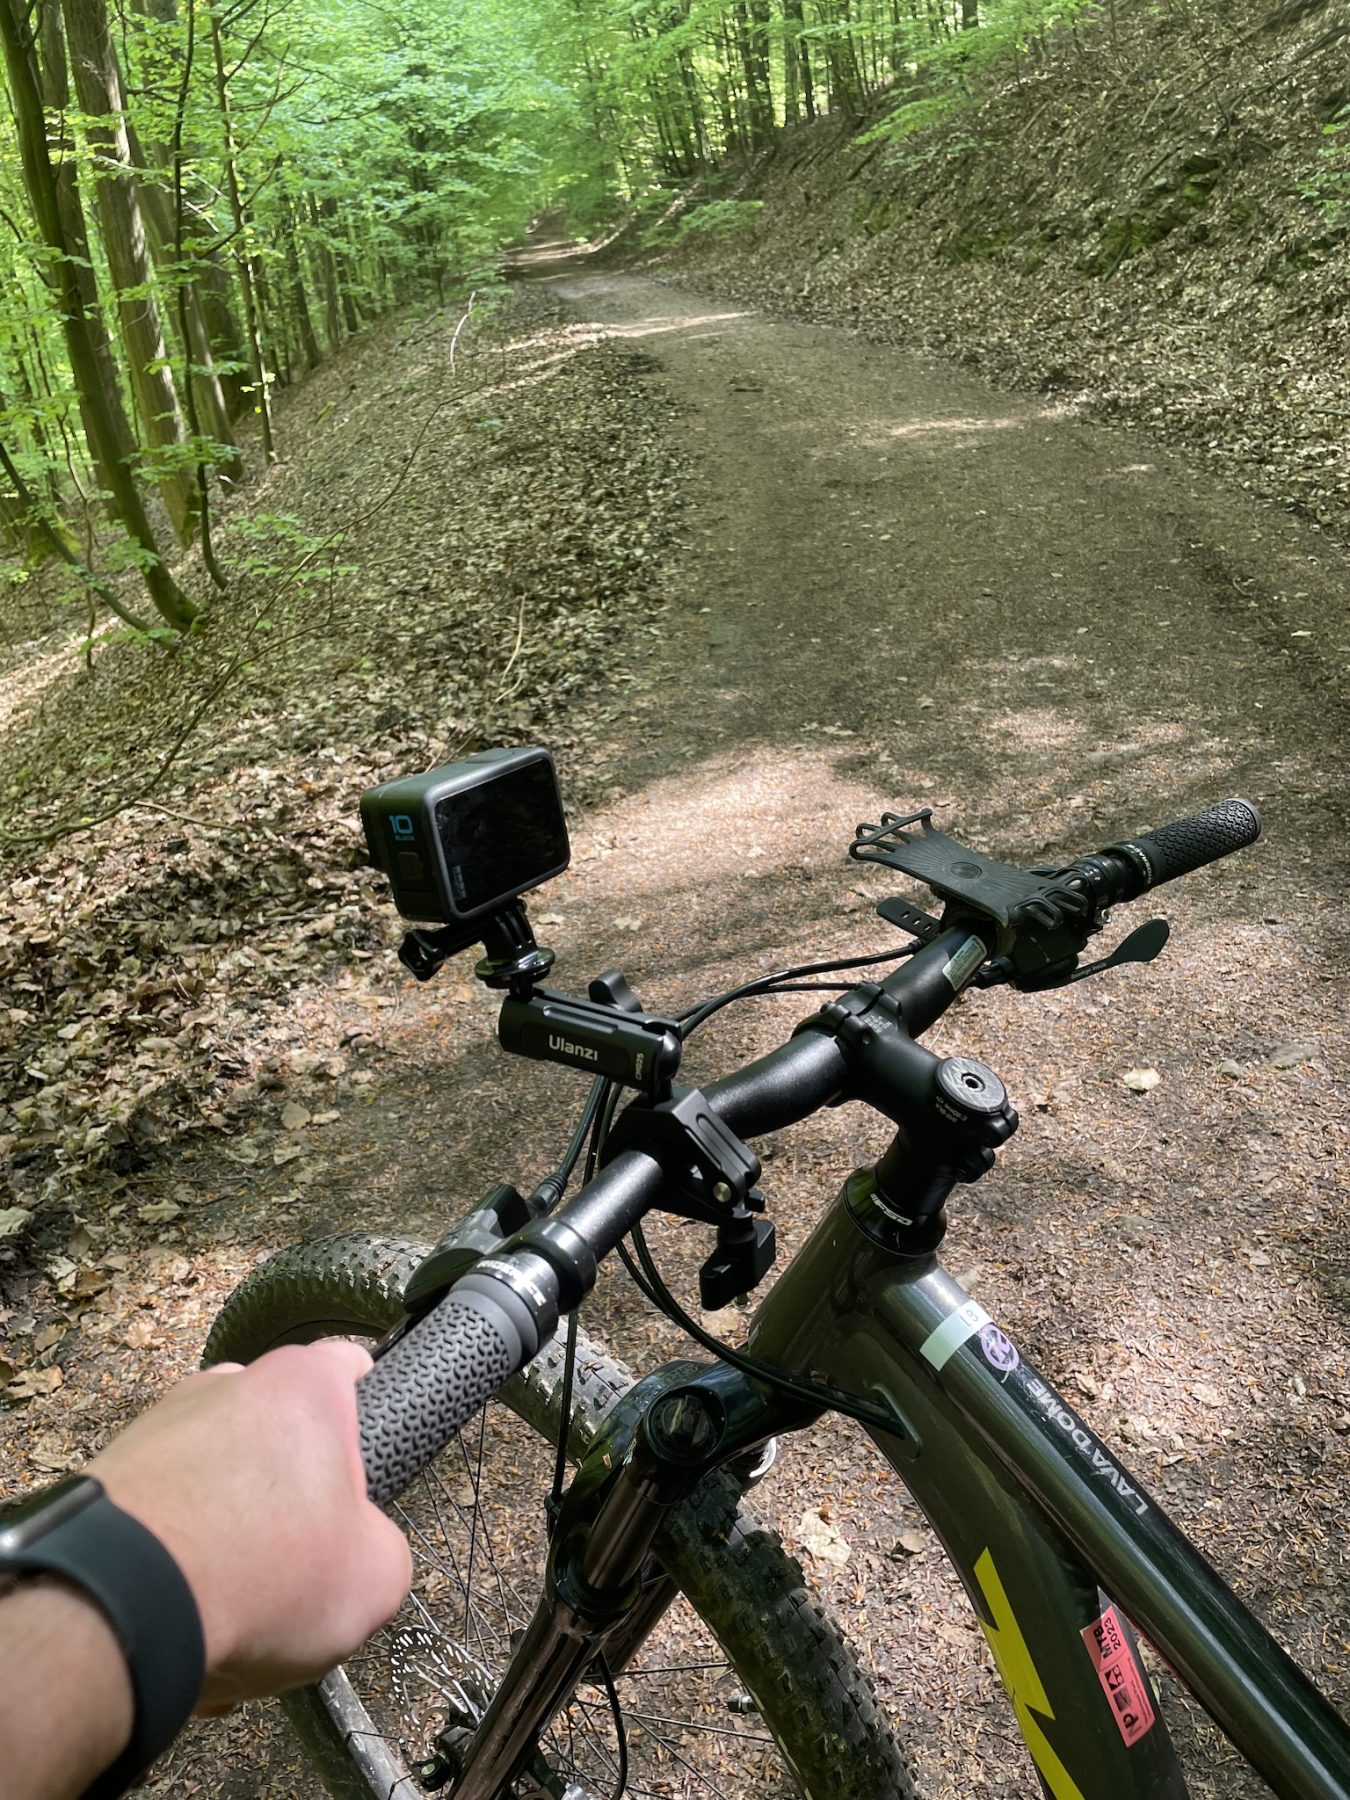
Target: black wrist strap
point(75, 1532)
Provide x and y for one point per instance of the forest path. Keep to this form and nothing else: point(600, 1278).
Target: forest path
point(903, 588)
point(1039, 589)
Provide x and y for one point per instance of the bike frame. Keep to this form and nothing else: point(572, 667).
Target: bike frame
point(1047, 1531)
point(1059, 1549)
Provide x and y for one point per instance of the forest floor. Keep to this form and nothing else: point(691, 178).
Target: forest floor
point(895, 587)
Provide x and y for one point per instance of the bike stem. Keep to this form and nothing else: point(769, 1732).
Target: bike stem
point(952, 1114)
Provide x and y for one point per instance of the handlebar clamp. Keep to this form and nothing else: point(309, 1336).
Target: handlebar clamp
point(709, 1171)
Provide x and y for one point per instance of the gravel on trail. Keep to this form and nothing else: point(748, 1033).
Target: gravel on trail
point(901, 588)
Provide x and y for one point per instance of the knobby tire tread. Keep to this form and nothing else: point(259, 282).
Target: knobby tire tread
point(785, 1648)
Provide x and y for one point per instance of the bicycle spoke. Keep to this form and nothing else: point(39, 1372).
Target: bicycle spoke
point(674, 1669)
point(698, 1775)
point(477, 1481)
point(645, 1719)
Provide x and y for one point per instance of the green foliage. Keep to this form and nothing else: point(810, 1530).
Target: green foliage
point(939, 67)
point(714, 219)
point(1328, 187)
point(271, 548)
point(911, 117)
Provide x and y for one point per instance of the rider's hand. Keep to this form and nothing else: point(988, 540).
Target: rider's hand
point(252, 1478)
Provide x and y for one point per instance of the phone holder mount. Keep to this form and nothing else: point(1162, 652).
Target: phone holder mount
point(1044, 919)
point(1010, 897)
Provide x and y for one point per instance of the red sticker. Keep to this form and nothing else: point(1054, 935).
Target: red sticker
point(1121, 1677)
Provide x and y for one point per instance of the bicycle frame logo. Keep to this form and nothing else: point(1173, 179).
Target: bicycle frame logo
point(1025, 1688)
point(1084, 1442)
point(999, 1350)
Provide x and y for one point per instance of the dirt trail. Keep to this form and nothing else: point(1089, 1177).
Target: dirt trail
point(911, 589)
point(903, 588)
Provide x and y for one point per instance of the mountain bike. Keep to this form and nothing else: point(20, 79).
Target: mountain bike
point(632, 1630)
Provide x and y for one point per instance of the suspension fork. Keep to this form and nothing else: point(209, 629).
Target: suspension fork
point(603, 1591)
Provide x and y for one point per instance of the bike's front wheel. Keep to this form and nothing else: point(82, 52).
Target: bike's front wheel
point(745, 1686)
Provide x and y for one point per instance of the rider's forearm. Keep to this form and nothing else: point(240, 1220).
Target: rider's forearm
point(65, 1695)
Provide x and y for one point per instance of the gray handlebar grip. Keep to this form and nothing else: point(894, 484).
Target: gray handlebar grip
point(1188, 844)
point(430, 1384)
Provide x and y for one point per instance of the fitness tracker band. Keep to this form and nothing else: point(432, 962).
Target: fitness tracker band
point(75, 1532)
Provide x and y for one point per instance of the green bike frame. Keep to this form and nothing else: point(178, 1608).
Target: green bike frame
point(1058, 1547)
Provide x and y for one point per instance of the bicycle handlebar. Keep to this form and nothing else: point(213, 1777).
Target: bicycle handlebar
point(432, 1381)
point(430, 1384)
point(1189, 844)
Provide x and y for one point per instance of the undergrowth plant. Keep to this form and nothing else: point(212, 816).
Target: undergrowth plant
point(1328, 186)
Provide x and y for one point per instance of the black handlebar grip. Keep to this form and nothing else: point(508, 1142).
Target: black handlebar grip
point(430, 1383)
point(1174, 850)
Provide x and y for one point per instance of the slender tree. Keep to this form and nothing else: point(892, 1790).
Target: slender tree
point(117, 197)
point(245, 264)
point(105, 423)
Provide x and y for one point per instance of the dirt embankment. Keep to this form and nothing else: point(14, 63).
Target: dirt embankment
point(460, 527)
point(1150, 222)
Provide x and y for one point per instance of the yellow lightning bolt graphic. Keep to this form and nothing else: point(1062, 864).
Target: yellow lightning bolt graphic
point(1024, 1685)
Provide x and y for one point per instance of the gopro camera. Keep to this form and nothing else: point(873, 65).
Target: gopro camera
point(464, 841)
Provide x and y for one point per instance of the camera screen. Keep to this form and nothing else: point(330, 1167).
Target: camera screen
point(502, 835)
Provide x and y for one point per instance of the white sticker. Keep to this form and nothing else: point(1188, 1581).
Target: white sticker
point(964, 964)
point(942, 1343)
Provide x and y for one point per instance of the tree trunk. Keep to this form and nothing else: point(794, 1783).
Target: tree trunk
point(55, 91)
point(295, 280)
point(793, 25)
point(216, 293)
point(353, 313)
point(105, 423)
point(327, 263)
point(792, 81)
point(693, 106)
point(31, 409)
point(755, 69)
point(758, 38)
point(208, 386)
point(98, 86)
point(216, 337)
point(243, 258)
point(30, 529)
point(728, 95)
point(841, 61)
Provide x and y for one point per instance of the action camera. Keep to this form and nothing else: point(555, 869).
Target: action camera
point(464, 841)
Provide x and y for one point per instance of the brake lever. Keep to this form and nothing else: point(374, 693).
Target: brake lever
point(1142, 945)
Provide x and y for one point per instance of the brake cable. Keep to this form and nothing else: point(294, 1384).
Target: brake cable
point(597, 1116)
point(817, 1396)
point(695, 1016)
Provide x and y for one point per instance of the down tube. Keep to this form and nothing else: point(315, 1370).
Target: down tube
point(969, 1412)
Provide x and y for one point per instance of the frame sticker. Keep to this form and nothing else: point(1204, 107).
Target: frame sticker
point(1122, 1679)
point(967, 959)
point(943, 1342)
point(1026, 1690)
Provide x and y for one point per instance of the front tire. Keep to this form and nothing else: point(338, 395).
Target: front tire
point(367, 1727)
